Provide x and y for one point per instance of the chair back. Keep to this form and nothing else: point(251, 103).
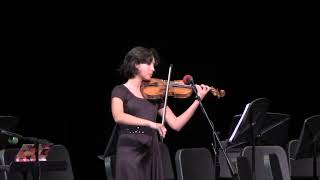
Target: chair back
point(271, 162)
point(194, 164)
point(109, 155)
point(300, 168)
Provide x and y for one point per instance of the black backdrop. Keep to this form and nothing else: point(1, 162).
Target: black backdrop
point(58, 67)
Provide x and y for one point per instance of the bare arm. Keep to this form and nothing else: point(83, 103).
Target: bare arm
point(121, 117)
point(177, 123)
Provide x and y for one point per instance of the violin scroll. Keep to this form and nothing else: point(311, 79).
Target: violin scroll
point(218, 93)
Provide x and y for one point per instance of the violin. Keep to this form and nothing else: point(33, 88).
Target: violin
point(156, 89)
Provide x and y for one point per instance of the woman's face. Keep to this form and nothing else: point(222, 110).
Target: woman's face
point(145, 71)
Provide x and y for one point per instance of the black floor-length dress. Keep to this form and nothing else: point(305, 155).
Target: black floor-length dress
point(138, 153)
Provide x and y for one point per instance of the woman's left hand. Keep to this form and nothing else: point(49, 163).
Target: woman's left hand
point(202, 90)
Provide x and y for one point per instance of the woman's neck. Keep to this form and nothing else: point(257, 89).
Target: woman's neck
point(134, 83)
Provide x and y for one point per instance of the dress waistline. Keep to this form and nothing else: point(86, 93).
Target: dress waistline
point(136, 130)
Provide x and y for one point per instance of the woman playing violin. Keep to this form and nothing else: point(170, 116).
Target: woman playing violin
point(138, 153)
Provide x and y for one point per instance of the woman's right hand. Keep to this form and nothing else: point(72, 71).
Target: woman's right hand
point(162, 130)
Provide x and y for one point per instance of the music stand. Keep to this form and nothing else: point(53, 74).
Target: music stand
point(240, 127)
point(274, 130)
point(309, 141)
point(251, 119)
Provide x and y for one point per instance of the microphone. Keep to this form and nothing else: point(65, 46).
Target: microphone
point(13, 140)
point(187, 79)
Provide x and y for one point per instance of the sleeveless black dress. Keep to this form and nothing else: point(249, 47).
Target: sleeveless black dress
point(137, 153)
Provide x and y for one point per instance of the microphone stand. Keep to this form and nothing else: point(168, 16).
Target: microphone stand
point(215, 136)
point(36, 167)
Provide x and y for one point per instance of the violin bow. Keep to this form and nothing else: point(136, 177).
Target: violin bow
point(166, 97)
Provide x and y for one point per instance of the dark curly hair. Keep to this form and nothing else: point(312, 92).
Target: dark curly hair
point(137, 55)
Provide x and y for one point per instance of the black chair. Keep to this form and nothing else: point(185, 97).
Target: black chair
point(194, 164)
point(3, 169)
point(57, 153)
point(300, 168)
point(271, 162)
point(109, 155)
point(303, 166)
